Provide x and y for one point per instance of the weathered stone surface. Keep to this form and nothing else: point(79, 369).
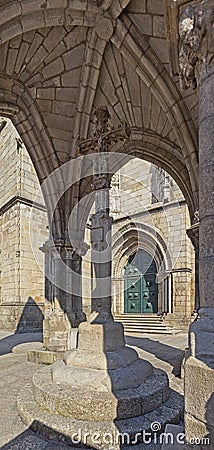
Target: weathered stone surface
point(102, 380)
point(155, 6)
point(195, 427)
point(204, 375)
point(73, 58)
point(143, 22)
point(100, 360)
point(56, 326)
point(75, 403)
point(29, 410)
point(44, 356)
point(101, 337)
point(54, 68)
point(138, 6)
point(159, 26)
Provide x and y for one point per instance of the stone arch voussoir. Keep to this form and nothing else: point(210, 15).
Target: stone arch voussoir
point(133, 236)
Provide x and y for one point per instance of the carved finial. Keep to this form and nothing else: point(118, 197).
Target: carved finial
point(196, 43)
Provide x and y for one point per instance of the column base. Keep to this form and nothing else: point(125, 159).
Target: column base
point(102, 387)
point(98, 434)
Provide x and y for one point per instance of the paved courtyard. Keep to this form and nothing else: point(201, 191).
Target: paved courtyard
point(165, 352)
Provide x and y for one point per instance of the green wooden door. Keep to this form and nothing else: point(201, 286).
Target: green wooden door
point(140, 286)
point(132, 290)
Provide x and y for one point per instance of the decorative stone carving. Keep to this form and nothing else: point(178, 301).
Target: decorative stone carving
point(196, 29)
point(104, 27)
point(105, 135)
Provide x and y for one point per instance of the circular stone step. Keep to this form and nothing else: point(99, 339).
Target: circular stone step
point(108, 435)
point(73, 402)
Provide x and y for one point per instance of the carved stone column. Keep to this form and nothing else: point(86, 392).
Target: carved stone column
point(56, 324)
point(73, 285)
point(47, 249)
point(101, 255)
point(102, 381)
point(63, 294)
point(197, 70)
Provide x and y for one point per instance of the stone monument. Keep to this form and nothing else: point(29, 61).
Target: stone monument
point(102, 391)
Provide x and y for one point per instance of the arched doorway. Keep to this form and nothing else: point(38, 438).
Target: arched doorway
point(140, 284)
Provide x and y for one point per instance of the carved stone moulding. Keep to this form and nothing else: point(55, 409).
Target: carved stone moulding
point(196, 31)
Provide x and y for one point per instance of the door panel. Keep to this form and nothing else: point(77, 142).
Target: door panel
point(132, 294)
point(141, 289)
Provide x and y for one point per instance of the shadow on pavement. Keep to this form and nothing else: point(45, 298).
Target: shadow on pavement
point(167, 353)
point(9, 342)
point(29, 440)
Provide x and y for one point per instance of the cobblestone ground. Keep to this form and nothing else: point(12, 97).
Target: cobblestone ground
point(165, 352)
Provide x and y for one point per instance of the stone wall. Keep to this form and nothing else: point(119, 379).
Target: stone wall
point(22, 231)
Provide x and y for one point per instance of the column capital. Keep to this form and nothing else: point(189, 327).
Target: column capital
point(196, 51)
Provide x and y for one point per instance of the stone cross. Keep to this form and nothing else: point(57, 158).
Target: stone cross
point(101, 222)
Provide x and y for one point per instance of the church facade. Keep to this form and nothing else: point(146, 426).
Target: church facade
point(149, 234)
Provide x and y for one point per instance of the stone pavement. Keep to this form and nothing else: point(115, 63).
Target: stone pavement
point(165, 352)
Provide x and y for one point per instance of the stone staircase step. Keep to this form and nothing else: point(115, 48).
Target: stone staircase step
point(152, 393)
point(154, 324)
point(152, 330)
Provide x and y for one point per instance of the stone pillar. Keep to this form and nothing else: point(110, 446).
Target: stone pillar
point(197, 70)
point(102, 361)
point(73, 286)
point(56, 324)
point(47, 249)
point(101, 255)
point(193, 234)
point(67, 257)
point(63, 294)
